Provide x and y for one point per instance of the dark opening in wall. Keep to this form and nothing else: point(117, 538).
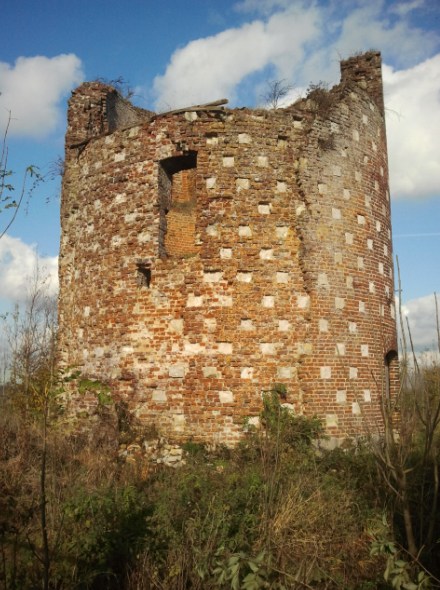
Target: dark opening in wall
point(391, 377)
point(177, 204)
point(143, 273)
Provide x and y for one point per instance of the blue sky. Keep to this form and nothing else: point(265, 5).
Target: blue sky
point(182, 52)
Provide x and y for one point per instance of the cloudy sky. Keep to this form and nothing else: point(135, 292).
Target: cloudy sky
point(183, 52)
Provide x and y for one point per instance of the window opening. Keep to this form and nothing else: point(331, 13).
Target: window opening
point(143, 273)
point(391, 374)
point(177, 204)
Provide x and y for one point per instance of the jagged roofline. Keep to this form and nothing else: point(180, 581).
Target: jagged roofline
point(364, 70)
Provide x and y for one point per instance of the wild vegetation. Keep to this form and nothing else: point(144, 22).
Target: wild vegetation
point(276, 512)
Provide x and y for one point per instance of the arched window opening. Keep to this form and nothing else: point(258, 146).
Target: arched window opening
point(177, 203)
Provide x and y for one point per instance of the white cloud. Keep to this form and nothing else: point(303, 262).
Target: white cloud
point(32, 89)
point(18, 265)
point(413, 127)
point(211, 68)
point(421, 316)
point(403, 8)
point(304, 43)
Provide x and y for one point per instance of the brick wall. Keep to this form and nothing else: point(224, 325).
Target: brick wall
point(267, 239)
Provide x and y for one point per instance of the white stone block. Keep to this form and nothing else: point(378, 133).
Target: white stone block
point(380, 268)
point(226, 397)
point(360, 262)
point(268, 348)
point(285, 372)
point(247, 373)
point(244, 277)
point(338, 257)
point(177, 371)
point(340, 349)
point(191, 116)
point(225, 347)
point(331, 420)
point(212, 230)
point(378, 226)
point(367, 395)
point(349, 282)
point(281, 187)
point(352, 372)
point(210, 324)
point(247, 325)
point(355, 135)
point(159, 396)
point(284, 325)
point(323, 280)
point(281, 232)
point(346, 194)
point(211, 182)
point(323, 325)
point(266, 253)
point(336, 213)
point(364, 350)
point(303, 301)
point(371, 287)
point(242, 184)
point(244, 138)
point(193, 348)
point(194, 300)
point(228, 161)
point(352, 327)
point(325, 372)
point(212, 276)
point(119, 157)
point(339, 303)
point(211, 372)
point(119, 198)
point(130, 217)
point(348, 238)
point(244, 231)
point(341, 396)
point(178, 422)
point(361, 220)
point(225, 253)
point(264, 208)
point(212, 140)
point(370, 244)
point(144, 237)
point(254, 421)
point(225, 300)
point(304, 348)
point(262, 161)
point(176, 326)
point(282, 277)
point(362, 306)
point(337, 171)
point(322, 188)
point(355, 408)
point(268, 301)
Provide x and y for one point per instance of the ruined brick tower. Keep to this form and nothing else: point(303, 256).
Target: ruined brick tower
point(208, 254)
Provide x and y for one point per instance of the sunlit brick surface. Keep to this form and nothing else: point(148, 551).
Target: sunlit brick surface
point(263, 242)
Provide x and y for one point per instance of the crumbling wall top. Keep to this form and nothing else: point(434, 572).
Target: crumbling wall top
point(366, 71)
